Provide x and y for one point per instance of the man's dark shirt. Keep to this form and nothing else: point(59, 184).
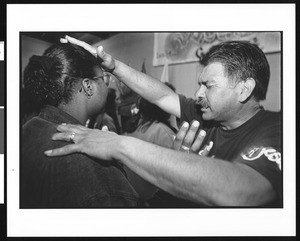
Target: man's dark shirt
point(256, 143)
point(68, 181)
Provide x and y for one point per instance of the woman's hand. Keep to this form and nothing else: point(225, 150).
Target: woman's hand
point(106, 61)
point(186, 139)
point(93, 142)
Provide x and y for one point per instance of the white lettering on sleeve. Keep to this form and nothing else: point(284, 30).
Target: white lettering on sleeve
point(256, 152)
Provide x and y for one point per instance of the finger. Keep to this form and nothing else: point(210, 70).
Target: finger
point(63, 40)
point(71, 128)
point(95, 125)
point(206, 149)
point(180, 136)
point(68, 149)
point(66, 136)
point(104, 128)
point(198, 141)
point(103, 55)
point(107, 61)
point(85, 45)
point(87, 122)
point(100, 52)
point(190, 136)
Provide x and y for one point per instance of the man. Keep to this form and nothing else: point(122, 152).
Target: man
point(246, 168)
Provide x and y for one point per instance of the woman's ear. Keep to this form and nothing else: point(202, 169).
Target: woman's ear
point(87, 87)
point(246, 89)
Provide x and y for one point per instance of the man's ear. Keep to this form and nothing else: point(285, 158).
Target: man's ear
point(87, 87)
point(246, 89)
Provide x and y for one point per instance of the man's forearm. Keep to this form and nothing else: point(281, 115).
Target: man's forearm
point(148, 87)
point(198, 179)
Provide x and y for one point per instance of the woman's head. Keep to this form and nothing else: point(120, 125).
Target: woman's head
point(59, 73)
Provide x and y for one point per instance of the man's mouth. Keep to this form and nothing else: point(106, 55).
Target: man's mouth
point(203, 109)
point(203, 104)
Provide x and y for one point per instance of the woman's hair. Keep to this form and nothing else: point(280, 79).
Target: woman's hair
point(51, 79)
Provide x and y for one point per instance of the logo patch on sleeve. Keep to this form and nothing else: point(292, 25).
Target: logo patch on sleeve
point(254, 153)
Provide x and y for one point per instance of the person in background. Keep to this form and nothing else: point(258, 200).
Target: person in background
point(102, 122)
point(154, 127)
point(70, 87)
point(111, 108)
point(246, 169)
point(108, 118)
point(127, 107)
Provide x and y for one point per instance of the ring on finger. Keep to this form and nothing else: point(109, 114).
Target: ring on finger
point(185, 148)
point(72, 136)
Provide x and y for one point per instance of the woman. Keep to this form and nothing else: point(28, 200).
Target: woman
point(69, 87)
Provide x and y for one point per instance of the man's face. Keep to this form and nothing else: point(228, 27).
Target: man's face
point(218, 99)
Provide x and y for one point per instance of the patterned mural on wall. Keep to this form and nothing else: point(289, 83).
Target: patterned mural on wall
point(184, 47)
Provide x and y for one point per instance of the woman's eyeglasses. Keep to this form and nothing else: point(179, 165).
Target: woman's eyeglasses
point(106, 77)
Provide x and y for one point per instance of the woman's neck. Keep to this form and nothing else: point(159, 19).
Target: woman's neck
point(75, 111)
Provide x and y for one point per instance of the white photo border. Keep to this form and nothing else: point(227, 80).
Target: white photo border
point(150, 222)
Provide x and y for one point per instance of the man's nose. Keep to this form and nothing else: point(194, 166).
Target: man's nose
point(200, 92)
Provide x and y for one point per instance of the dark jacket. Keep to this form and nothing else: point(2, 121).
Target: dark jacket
point(68, 181)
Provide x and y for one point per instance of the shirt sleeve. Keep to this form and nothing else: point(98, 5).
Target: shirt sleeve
point(188, 110)
point(265, 157)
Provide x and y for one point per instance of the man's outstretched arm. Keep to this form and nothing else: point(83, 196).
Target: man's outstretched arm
point(196, 178)
point(146, 86)
point(149, 88)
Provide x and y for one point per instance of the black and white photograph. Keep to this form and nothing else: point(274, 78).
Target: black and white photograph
point(157, 124)
point(225, 126)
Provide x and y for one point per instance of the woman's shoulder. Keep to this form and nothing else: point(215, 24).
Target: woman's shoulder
point(162, 127)
point(163, 134)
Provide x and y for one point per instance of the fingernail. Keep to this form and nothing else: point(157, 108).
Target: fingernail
point(63, 124)
point(48, 152)
point(196, 123)
point(185, 125)
point(66, 36)
point(64, 41)
point(202, 133)
point(100, 48)
point(104, 128)
point(208, 148)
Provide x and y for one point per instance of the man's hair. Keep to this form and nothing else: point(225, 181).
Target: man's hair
point(241, 60)
point(50, 79)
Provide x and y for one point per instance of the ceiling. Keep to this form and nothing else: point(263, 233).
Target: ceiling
point(53, 37)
